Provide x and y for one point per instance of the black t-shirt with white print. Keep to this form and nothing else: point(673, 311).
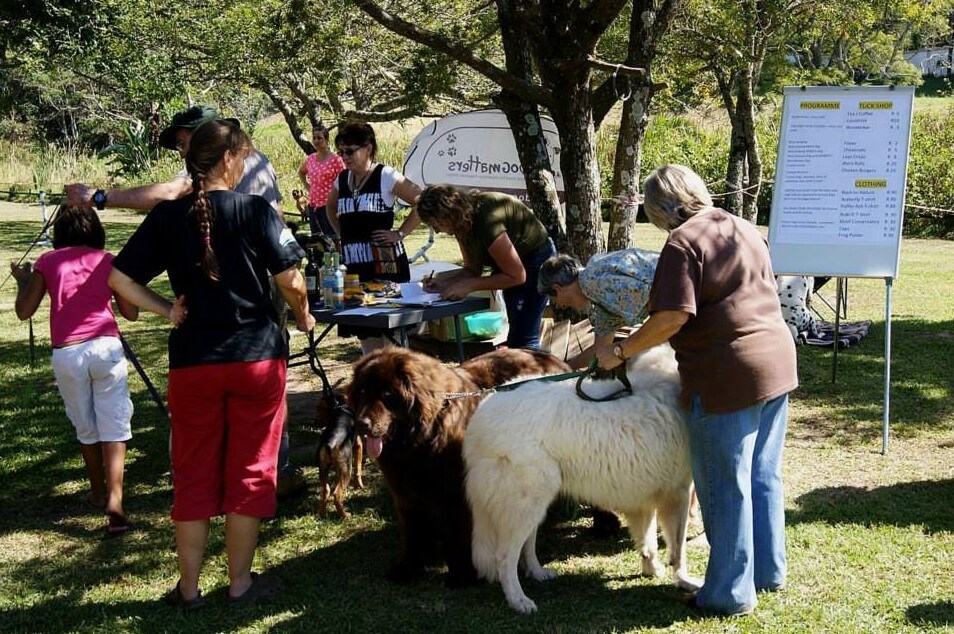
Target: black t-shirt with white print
point(359, 214)
point(232, 319)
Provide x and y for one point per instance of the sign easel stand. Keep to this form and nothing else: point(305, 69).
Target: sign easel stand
point(838, 200)
point(888, 283)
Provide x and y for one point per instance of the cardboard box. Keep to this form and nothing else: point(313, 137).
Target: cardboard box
point(443, 329)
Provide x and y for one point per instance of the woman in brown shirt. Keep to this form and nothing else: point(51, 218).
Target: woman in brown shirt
point(715, 301)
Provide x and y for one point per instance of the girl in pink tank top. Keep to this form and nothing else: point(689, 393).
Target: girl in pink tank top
point(88, 360)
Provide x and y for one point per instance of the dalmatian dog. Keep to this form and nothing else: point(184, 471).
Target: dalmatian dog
point(794, 294)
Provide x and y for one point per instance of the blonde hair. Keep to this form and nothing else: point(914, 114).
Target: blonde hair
point(672, 194)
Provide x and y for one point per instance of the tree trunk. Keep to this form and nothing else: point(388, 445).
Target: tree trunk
point(289, 115)
point(815, 59)
point(573, 116)
point(743, 174)
point(648, 22)
point(745, 111)
point(627, 167)
point(524, 119)
point(735, 166)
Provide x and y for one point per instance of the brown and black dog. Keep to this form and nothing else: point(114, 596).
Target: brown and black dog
point(414, 410)
point(340, 449)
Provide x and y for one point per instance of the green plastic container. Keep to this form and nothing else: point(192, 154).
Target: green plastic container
point(485, 324)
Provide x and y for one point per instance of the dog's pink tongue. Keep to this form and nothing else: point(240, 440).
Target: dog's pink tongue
point(374, 446)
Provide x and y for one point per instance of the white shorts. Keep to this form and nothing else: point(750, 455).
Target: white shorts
point(91, 377)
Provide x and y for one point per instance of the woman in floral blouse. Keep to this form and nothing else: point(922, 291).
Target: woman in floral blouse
point(613, 288)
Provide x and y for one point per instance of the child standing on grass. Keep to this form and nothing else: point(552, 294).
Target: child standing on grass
point(88, 360)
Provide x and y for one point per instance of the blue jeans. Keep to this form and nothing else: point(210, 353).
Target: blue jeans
point(737, 468)
point(525, 305)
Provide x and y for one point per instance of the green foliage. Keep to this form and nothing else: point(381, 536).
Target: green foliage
point(133, 155)
point(931, 174)
point(680, 139)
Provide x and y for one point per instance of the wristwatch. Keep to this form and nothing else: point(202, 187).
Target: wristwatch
point(618, 352)
point(99, 199)
point(402, 234)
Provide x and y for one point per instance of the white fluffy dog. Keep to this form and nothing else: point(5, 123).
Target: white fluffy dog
point(526, 446)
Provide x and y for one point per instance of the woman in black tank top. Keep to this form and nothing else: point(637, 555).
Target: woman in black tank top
point(361, 208)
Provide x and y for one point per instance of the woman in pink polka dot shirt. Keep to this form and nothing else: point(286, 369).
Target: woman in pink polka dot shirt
point(318, 172)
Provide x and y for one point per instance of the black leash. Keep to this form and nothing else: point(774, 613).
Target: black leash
point(619, 373)
point(316, 367)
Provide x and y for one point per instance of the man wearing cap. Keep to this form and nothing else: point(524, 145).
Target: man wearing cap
point(259, 178)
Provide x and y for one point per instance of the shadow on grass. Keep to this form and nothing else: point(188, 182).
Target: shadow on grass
point(925, 503)
point(341, 586)
point(931, 614)
point(922, 377)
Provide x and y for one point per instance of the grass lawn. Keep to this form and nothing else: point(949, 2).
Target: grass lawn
point(871, 537)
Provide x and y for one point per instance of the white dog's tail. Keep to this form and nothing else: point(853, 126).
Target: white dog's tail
point(484, 547)
point(509, 485)
point(480, 491)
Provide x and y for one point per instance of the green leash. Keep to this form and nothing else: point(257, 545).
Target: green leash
point(619, 373)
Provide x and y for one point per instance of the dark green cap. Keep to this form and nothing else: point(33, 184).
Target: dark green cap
point(187, 120)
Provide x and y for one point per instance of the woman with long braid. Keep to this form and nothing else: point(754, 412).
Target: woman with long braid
point(226, 353)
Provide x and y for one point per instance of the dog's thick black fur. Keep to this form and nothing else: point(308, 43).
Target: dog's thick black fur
point(340, 450)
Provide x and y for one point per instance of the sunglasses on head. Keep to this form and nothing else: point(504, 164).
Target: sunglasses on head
point(349, 151)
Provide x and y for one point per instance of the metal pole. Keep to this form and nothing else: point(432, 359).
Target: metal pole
point(45, 236)
point(887, 366)
point(32, 345)
point(834, 363)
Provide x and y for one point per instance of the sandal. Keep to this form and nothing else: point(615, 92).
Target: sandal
point(117, 524)
point(262, 589)
point(175, 599)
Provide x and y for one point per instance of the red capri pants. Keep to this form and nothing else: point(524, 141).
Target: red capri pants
point(226, 429)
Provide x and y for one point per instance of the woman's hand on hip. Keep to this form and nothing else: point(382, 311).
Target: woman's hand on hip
point(386, 236)
point(178, 311)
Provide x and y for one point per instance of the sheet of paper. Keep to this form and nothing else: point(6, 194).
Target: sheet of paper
point(413, 293)
point(417, 301)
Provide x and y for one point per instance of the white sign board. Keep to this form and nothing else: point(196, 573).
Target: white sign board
point(476, 150)
point(838, 201)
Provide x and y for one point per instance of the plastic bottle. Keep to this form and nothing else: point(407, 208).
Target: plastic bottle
point(328, 281)
point(338, 290)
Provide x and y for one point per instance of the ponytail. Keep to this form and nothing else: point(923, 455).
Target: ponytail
point(202, 216)
point(208, 145)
